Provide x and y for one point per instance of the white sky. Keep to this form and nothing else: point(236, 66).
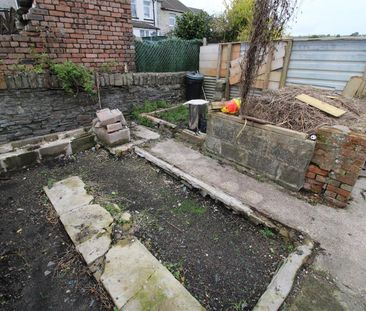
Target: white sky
point(313, 17)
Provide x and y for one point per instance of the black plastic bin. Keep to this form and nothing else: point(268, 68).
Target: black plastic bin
point(194, 81)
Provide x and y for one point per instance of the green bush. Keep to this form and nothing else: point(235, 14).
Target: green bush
point(74, 78)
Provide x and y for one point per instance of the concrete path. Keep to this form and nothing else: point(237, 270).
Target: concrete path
point(341, 233)
point(133, 277)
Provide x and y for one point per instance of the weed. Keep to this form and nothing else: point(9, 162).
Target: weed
point(50, 182)
point(268, 233)
point(113, 209)
point(260, 178)
point(145, 121)
point(240, 305)
point(190, 207)
point(107, 66)
point(148, 107)
point(177, 270)
point(290, 248)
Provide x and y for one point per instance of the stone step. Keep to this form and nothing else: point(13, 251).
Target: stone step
point(137, 281)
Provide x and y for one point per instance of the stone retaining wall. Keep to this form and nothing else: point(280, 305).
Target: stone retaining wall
point(33, 105)
point(280, 154)
point(338, 159)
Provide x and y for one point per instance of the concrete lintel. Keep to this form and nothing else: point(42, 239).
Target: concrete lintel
point(282, 282)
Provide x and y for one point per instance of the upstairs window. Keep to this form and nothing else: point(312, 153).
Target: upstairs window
point(133, 8)
point(172, 20)
point(147, 9)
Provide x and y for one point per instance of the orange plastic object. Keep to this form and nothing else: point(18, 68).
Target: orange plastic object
point(232, 106)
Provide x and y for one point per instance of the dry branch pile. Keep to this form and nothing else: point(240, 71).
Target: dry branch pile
point(283, 109)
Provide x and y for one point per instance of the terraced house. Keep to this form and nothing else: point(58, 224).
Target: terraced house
point(156, 17)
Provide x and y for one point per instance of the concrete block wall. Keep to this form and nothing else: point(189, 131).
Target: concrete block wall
point(34, 105)
point(86, 32)
point(338, 159)
point(280, 154)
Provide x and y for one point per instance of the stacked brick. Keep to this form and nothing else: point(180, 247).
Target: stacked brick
point(111, 128)
point(86, 32)
point(338, 159)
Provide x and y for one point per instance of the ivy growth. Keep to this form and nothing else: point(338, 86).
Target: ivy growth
point(74, 77)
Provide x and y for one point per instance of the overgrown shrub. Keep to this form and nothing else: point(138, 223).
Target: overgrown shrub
point(74, 77)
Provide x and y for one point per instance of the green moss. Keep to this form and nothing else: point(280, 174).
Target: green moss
point(152, 296)
point(190, 207)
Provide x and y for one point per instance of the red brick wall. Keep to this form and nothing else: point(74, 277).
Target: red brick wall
point(338, 158)
point(86, 32)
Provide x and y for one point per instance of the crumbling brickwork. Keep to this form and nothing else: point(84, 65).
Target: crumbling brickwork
point(338, 158)
point(86, 32)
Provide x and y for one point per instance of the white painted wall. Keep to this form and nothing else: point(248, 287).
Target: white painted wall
point(164, 21)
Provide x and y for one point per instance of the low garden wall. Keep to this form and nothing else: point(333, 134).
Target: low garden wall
point(34, 105)
point(338, 159)
point(280, 154)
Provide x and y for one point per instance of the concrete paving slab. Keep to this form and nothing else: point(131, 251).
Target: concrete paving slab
point(137, 281)
point(68, 194)
point(144, 133)
point(95, 247)
point(341, 233)
point(85, 222)
point(282, 282)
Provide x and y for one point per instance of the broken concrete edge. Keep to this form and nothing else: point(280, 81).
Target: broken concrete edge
point(33, 150)
point(282, 283)
point(89, 227)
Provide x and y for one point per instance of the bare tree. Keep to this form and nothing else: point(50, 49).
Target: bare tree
point(270, 17)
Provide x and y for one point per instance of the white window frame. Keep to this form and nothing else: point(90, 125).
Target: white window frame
point(148, 7)
point(134, 8)
point(172, 17)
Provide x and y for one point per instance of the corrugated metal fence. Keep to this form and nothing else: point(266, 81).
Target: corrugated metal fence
point(326, 63)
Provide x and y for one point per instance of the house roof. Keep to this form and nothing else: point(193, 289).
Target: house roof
point(174, 5)
point(142, 24)
point(195, 10)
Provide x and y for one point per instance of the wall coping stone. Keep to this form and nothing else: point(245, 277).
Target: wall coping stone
point(267, 127)
point(19, 81)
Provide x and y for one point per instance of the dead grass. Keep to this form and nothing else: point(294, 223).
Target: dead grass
point(283, 109)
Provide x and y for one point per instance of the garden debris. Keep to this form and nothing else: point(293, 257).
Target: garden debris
point(281, 108)
point(329, 109)
point(111, 128)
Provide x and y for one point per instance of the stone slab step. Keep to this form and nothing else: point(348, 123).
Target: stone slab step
point(137, 281)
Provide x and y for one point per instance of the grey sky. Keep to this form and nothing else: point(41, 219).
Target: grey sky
point(314, 16)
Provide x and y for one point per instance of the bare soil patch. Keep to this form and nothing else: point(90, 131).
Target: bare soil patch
point(224, 260)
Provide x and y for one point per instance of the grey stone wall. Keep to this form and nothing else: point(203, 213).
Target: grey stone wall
point(280, 154)
point(33, 105)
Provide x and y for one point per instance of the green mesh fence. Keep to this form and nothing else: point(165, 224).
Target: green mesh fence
point(170, 55)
